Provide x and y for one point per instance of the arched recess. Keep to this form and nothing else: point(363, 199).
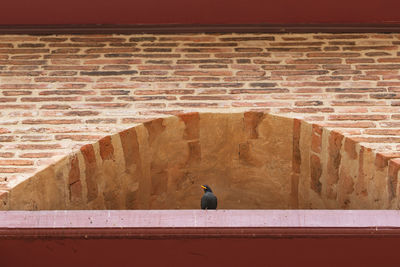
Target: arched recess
point(251, 160)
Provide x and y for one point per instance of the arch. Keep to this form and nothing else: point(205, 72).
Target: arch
point(252, 160)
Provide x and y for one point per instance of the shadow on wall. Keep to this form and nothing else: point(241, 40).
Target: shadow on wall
point(251, 160)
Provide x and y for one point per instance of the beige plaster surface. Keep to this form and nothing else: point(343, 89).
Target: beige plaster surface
point(246, 158)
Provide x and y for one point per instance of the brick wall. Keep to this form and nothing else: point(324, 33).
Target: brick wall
point(59, 92)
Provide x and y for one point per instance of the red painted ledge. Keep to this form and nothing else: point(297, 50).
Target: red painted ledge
point(165, 224)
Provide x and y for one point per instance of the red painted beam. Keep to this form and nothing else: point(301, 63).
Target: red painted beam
point(217, 252)
point(129, 12)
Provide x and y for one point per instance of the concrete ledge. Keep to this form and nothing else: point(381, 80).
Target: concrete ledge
point(198, 223)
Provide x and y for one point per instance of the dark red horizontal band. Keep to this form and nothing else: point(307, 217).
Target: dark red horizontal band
point(194, 233)
point(199, 28)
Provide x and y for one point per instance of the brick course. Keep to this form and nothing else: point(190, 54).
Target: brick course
point(58, 93)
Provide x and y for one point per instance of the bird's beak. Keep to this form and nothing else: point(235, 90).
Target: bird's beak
point(203, 187)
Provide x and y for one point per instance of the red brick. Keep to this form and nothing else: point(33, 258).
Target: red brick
point(55, 107)
point(203, 73)
point(293, 49)
point(77, 137)
point(359, 60)
point(307, 110)
point(315, 61)
point(316, 138)
point(388, 60)
point(146, 98)
point(242, 55)
point(17, 170)
point(310, 84)
point(316, 172)
point(340, 36)
point(334, 161)
point(188, 38)
point(259, 91)
point(203, 50)
point(38, 146)
point(358, 117)
point(16, 162)
point(67, 92)
point(372, 47)
point(7, 99)
point(116, 86)
point(75, 191)
point(153, 72)
point(99, 99)
point(365, 78)
point(56, 121)
point(26, 57)
point(97, 39)
point(250, 38)
point(24, 86)
point(63, 79)
point(334, 54)
point(101, 120)
point(4, 198)
point(212, 85)
point(215, 98)
point(350, 148)
point(74, 172)
point(160, 79)
point(111, 50)
point(378, 67)
point(381, 161)
point(16, 93)
point(20, 73)
point(259, 104)
point(16, 106)
point(308, 103)
point(296, 160)
point(154, 128)
point(90, 171)
point(6, 155)
point(192, 121)
point(23, 62)
point(159, 55)
point(213, 79)
point(105, 105)
point(37, 155)
point(65, 51)
point(23, 51)
point(394, 167)
point(251, 121)
point(172, 44)
point(113, 61)
point(250, 73)
point(377, 139)
point(106, 148)
point(130, 145)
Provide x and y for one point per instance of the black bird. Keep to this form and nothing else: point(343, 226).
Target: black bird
point(209, 200)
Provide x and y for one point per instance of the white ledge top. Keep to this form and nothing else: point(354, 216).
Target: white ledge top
point(200, 219)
